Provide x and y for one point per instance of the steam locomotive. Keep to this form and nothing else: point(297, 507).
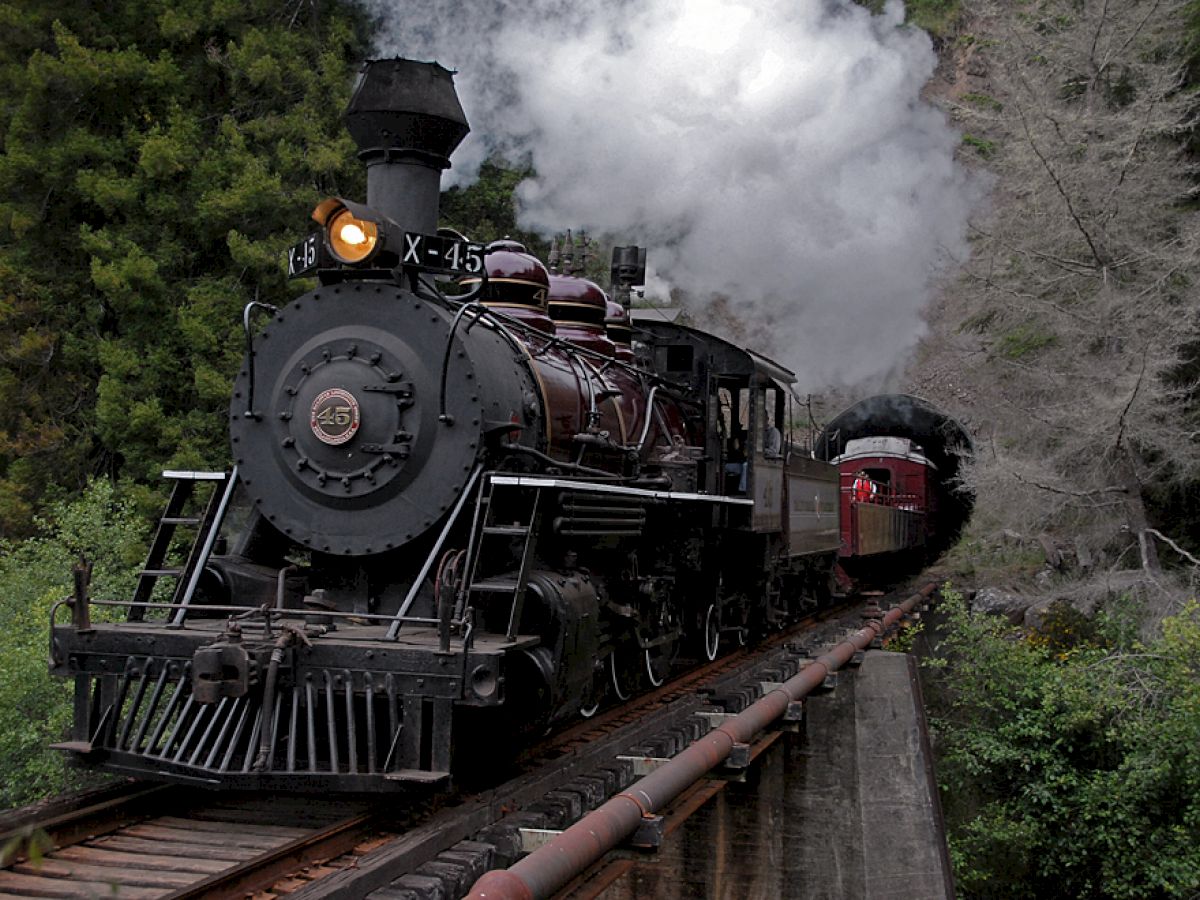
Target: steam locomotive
point(469, 497)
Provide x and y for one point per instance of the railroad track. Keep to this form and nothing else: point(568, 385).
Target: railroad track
point(157, 842)
point(168, 842)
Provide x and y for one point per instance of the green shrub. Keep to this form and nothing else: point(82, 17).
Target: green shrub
point(985, 148)
point(35, 710)
point(935, 16)
point(1068, 768)
point(983, 101)
point(1023, 340)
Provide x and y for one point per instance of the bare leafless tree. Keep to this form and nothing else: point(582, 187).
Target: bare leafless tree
point(1057, 340)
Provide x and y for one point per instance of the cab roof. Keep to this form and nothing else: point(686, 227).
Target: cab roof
point(729, 357)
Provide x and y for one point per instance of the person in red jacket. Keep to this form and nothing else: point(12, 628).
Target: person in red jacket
point(863, 489)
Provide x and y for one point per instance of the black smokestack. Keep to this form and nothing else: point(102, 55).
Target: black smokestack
point(406, 119)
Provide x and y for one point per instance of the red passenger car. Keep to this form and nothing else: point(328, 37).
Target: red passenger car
point(887, 497)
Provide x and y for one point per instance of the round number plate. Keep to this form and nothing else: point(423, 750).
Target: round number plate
point(335, 416)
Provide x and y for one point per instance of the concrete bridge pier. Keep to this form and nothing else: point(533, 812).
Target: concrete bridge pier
point(865, 794)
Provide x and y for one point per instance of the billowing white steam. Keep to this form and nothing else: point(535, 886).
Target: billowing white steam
point(774, 153)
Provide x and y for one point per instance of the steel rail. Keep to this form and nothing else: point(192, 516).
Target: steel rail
point(70, 820)
point(110, 814)
point(540, 874)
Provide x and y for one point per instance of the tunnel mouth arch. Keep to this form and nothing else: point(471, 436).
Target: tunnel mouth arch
point(944, 440)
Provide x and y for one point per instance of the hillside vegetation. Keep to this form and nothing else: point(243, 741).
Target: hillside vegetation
point(1068, 343)
point(1066, 734)
point(158, 157)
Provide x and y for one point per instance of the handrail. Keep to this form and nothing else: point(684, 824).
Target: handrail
point(394, 631)
point(209, 540)
point(884, 496)
point(545, 871)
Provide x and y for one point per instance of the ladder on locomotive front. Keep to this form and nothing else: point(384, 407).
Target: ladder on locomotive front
point(207, 524)
point(487, 529)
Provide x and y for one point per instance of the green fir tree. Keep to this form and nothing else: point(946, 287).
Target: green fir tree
point(158, 158)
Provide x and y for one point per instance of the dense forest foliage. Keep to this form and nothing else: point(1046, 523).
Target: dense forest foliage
point(157, 157)
point(35, 710)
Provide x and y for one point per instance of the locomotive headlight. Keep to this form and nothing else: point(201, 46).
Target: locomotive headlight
point(351, 239)
point(356, 234)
